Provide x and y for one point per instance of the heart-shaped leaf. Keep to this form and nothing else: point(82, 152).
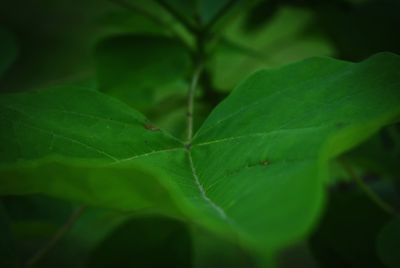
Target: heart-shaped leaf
point(256, 168)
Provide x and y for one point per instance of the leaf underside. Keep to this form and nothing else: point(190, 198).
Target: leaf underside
point(258, 162)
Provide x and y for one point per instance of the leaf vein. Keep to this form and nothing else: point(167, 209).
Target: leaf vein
point(202, 191)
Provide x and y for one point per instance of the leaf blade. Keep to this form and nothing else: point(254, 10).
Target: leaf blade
point(268, 144)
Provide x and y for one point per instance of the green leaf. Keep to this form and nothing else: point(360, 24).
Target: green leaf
point(267, 146)
point(139, 69)
point(73, 132)
point(258, 162)
point(388, 244)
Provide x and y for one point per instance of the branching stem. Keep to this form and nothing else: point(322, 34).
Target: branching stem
point(56, 237)
point(371, 194)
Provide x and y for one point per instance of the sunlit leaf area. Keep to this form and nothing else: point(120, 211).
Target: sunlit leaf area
point(199, 133)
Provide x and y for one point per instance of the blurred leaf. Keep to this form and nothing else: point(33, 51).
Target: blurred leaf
point(8, 255)
point(197, 11)
point(139, 68)
point(208, 9)
point(297, 255)
point(378, 159)
point(82, 145)
point(359, 31)
point(348, 230)
point(8, 50)
point(288, 37)
point(211, 251)
point(145, 242)
point(57, 38)
point(380, 154)
point(186, 8)
point(389, 244)
point(35, 219)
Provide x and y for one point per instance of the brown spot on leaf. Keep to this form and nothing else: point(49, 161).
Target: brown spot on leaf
point(151, 127)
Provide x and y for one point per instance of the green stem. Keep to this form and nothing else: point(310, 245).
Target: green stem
point(190, 101)
point(368, 192)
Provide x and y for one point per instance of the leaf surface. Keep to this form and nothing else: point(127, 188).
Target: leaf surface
point(259, 161)
point(268, 144)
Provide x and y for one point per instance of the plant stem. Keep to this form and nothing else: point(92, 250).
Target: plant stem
point(190, 101)
point(56, 237)
point(371, 194)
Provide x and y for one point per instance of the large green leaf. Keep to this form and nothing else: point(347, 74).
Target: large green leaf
point(256, 168)
point(68, 132)
point(282, 127)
